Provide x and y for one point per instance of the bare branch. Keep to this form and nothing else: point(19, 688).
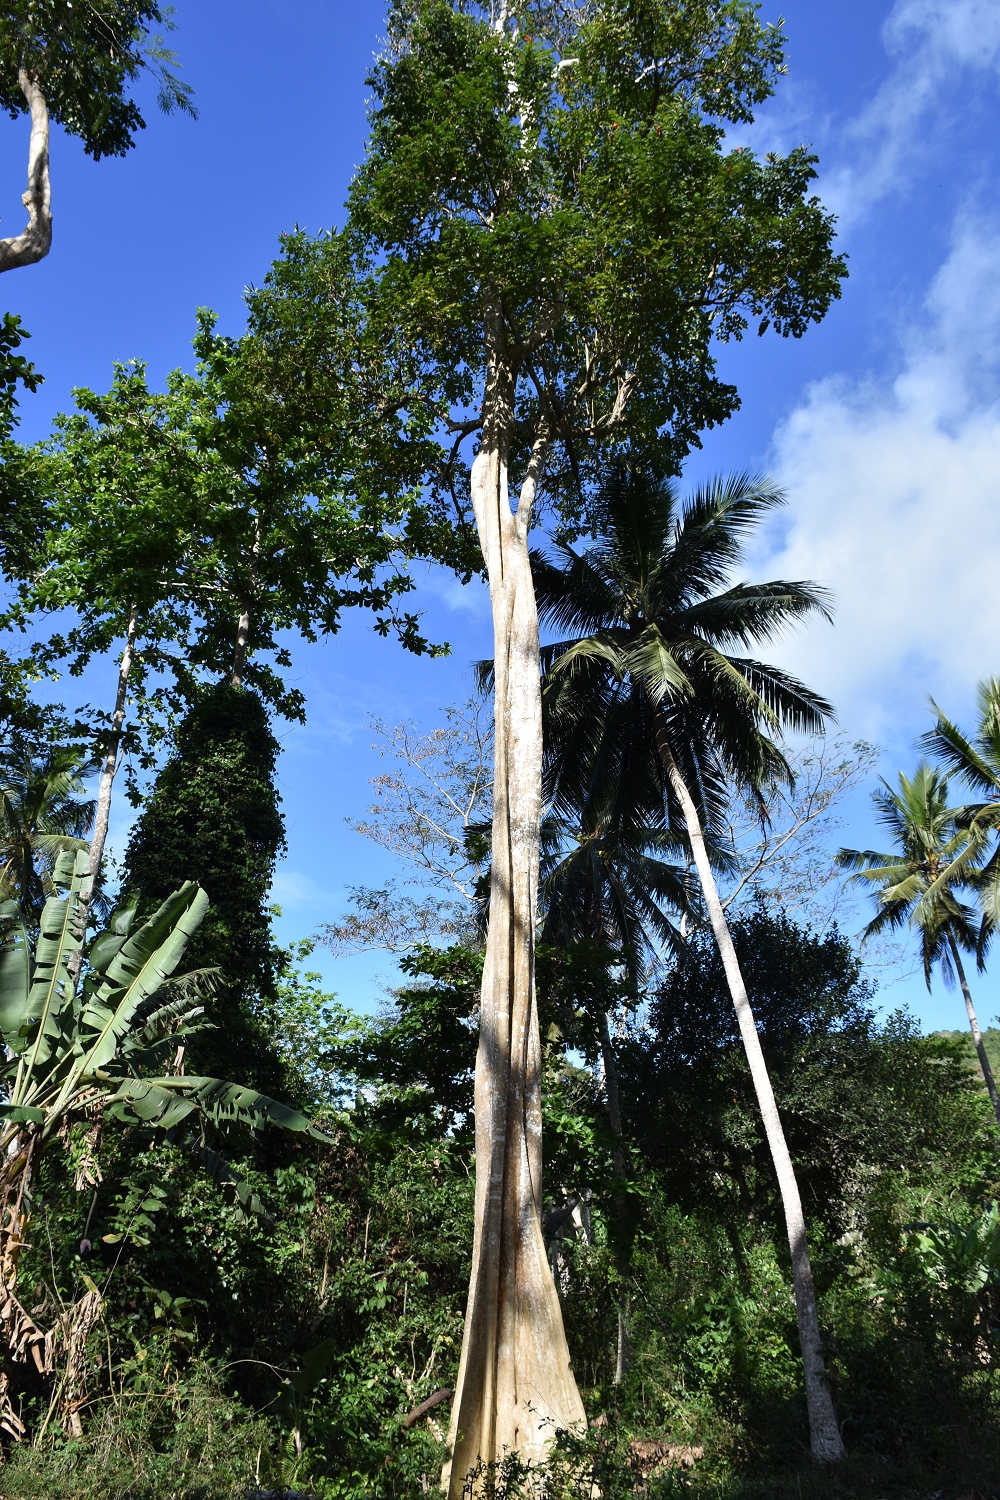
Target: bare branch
point(790, 858)
point(385, 919)
point(427, 806)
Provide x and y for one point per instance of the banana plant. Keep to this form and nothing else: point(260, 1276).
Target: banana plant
point(101, 1044)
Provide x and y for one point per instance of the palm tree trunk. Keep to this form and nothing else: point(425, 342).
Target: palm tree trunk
point(624, 1355)
point(515, 1384)
point(824, 1431)
point(977, 1035)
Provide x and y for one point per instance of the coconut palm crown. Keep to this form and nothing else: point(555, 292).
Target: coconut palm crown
point(44, 810)
point(655, 713)
point(910, 884)
point(975, 760)
point(657, 641)
point(920, 883)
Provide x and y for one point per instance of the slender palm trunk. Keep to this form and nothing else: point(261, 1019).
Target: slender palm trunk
point(823, 1428)
point(515, 1384)
point(977, 1035)
point(109, 770)
point(110, 767)
point(624, 1356)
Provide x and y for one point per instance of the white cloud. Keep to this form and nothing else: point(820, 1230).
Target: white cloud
point(894, 491)
point(931, 41)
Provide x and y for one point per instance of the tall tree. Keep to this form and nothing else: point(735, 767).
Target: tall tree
point(73, 64)
point(214, 812)
point(183, 530)
point(649, 679)
point(919, 883)
point(545, 237)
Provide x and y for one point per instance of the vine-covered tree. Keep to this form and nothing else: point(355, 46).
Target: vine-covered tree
point(183, 530)
point(214, 813)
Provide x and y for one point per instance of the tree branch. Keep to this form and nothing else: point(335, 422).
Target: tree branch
point(36, 240)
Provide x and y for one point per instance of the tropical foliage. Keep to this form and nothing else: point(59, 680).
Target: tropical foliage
point(112, 1046)
point(765, 1226)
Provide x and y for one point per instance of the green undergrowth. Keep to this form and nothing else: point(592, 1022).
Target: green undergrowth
point(185, 1440)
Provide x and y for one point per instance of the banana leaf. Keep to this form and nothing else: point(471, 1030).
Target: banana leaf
point(108, 944)
point(220, 1102)
point(136, 973)
point(144, 1099)
point(52, 990)
point(15, 975)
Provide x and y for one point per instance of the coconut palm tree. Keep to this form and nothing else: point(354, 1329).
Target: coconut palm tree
point(977, 761)
point(649, 688)
point(44, 810)
point(918, 884)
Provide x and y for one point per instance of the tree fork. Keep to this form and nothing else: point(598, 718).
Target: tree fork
point(824, 1431)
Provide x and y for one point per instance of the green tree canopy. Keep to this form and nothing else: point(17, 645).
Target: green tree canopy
point(544, 240)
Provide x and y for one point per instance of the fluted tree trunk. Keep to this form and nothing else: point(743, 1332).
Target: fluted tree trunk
point(515, 1384)
point(977, 1036)
point(35, 241)
point(824, 1430)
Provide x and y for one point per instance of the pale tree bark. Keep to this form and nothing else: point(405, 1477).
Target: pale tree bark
point(35, 241)
point(824, 1431)
point(109, 770)
point(243, 628)
point(515, 1385)
point(110, 767)
point(613, 1096)
point(977, 1035)
point(240, 651)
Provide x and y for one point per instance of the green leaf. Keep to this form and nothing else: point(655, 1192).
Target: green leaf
point(314, 1364)
point(15, 978)
point(52, 989)
point(137, 972)
point(152, 1104)
point(22, 1114)
point(107, 945)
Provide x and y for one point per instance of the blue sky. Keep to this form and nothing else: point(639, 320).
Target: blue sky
point(883, 423)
